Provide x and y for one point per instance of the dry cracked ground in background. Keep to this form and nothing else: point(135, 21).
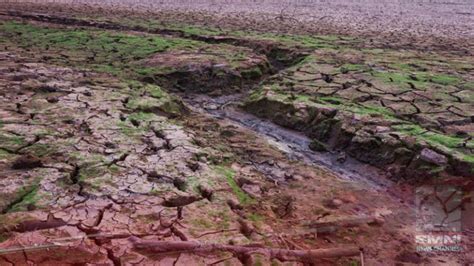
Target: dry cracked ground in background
point(168, 128)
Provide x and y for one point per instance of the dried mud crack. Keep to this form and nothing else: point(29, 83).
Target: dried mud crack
point(119, 136)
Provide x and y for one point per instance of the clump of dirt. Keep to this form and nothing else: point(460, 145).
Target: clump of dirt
point(209, 69)
point(27, 162)
point(383, 113)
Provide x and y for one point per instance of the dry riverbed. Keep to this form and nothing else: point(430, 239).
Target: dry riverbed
point(114, 130)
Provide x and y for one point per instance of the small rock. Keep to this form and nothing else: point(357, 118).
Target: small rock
point(27, 162)
point(284, 206)
point(215, 93)
point(348, 198)
point(110, 145)
point(206, 191)
point(234, 205)
point(297, 177)
point(288, 175)
point(328, 111)
point(433, 157)
point(227, 133)
point(317, 145)
point(252, 189)
point(327, 77)
point(341, 157)
point(245, 228)
point(194, 166)
point(236, 167)
point(413, 77)
point(308, 174)
point(180, 183)
point(378, 221)
point(382, 129)
point(180, 200)
point(243, 180)
point(211, 106)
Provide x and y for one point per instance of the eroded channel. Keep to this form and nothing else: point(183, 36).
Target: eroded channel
point(294, 144)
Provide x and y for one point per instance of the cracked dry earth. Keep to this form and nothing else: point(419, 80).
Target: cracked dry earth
point(82, 171)
point(104, 140)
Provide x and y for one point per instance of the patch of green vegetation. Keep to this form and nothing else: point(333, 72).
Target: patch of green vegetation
point(450, 144)
point(3, 237)
point(202, 223)
point(101, 50)
point(158, 101)
point(255, 95)
point(281, 95)
point(10, 141)
point(331, 100)
point(343, 105)
point(156, 92)
point(467, 85)
point(4, 154)
point(129, 130)
point(28, 197)
point(142, 116)
point(252, 73)
point(255, 217)
point(114, 169)
point(401, 79)
point(431, 137)
point(195, 30)
point(221, 217)
point(154, 105)
point(444, 79)
point(193, 182)
point(307, 41)
point(371, 110)
point(92, 170)
point(410, 67)
point(40, 149)
point(228, 173)
point(419, 79)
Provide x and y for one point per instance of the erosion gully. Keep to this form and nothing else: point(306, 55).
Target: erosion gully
point(293, 144)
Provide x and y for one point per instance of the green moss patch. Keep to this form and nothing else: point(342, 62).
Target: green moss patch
point(228, 173)
point(448, 144)
point(27, 198)
point(10, 141)
point(101, 50)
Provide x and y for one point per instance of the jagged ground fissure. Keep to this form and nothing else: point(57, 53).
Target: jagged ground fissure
point(87, 153)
